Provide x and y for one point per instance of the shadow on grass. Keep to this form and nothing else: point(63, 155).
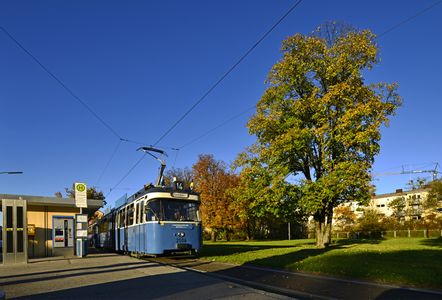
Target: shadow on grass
point(411, 267)
point(222, 249)
point(432, 242)
point(342, 242)
point(229, 249)
point(418, 268)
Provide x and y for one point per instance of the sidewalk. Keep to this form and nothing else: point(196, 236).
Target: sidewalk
point(303, 285)
point(112, 276)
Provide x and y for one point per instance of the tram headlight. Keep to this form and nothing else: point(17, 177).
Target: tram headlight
point(181, 234)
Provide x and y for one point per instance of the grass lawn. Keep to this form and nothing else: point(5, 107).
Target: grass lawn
point(407, 261)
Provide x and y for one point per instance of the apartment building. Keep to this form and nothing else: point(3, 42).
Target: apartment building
point(408, 203)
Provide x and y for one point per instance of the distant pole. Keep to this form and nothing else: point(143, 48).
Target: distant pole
point(289, 230)
point(11, 172)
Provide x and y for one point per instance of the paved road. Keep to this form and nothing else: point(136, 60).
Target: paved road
point(111, 276)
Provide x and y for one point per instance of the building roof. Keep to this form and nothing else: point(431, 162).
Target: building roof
point(92, 204)
point(402, 193)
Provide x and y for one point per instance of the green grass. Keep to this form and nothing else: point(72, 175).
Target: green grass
point(406, 261)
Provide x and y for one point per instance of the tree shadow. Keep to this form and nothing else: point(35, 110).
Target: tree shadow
point(343, 274)
point(229, 249)
point(432, 242)
point(220, 249)
point(412, 267)
point(358, 241)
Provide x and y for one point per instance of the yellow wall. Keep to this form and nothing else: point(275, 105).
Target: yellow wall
point(41, 218)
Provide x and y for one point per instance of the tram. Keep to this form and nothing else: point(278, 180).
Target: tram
point(157, 220)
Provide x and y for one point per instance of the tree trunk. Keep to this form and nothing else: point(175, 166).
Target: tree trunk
point(323, 228)
point(227, 235)
point(213, 235)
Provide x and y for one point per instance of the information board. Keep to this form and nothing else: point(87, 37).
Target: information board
point(80, 195)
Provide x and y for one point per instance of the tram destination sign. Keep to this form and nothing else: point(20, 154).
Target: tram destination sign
point(80, 195)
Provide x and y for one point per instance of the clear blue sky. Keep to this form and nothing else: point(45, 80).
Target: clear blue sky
point(141, 64)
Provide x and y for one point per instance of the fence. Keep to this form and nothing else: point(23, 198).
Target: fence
point(423, 233)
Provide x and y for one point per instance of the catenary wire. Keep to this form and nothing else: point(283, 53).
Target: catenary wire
point(228, 72)
point(409, 18)
point(61, 83)
point(109, 161)
point(127, 174)
point(211, 89)
point(225, 75)
point(217, 127)
point(380, 35)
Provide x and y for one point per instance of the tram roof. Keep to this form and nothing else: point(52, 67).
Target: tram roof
point(156, 189)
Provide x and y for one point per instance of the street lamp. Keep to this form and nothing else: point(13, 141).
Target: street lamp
point(12, 172)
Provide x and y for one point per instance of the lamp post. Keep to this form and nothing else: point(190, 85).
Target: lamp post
point(12, 172)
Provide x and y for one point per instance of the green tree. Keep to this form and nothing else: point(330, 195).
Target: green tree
point(434, 197)
point(319, 122)
point(370, 224)
point(184, 175)
point(432, 205)
point(417, 183)
point(398, 205)
point(92, 193)
point(266, 199)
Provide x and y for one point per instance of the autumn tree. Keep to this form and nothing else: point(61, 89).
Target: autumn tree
point(212, 181)
point(318, 120)
point(345, 217)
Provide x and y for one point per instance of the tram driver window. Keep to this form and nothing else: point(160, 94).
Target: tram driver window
point(152, 211)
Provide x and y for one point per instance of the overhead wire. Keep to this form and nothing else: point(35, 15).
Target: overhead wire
point(216, 127)
point(409, 18)
point(210, 131)
point(380, 35)
point(228, 72)
point(127, 174)
point(61, 83)
point(214, 86)
point(109, 161)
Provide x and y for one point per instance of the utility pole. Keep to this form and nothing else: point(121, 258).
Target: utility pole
point(11, 172)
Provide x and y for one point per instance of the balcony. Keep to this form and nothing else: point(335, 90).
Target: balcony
point(415, 212)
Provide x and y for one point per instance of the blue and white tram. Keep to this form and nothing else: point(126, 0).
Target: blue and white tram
point(156, 220)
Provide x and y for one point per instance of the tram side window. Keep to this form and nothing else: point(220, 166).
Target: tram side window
point(123, 218)
point(130, 215)
point(141, 210)
point(137, 215)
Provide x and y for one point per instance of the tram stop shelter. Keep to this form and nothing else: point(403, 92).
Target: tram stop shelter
point(36, 227)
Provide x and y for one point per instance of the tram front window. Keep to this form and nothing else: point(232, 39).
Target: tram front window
point(172, 210)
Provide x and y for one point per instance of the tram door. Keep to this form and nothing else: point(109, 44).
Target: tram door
point(14, 232)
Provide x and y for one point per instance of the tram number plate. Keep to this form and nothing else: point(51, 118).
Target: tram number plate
point(183, 246)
